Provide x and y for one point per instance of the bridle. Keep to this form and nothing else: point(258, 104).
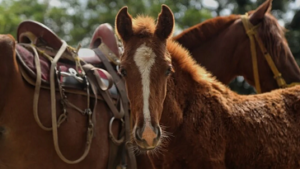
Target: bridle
point(252, 33)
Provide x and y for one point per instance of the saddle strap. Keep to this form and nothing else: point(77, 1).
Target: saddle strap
point(104, 89)
point(94, 83)
point(53, 112)
point(37, 86)
point(124, 101)
point(37, 89)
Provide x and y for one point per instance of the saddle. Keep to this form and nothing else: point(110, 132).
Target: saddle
point(42, 37)
point(103, 37)
point(48, 62)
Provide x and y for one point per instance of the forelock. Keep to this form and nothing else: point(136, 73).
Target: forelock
point(143, 26)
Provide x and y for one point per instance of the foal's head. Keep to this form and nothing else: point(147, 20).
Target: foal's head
point(145, 66)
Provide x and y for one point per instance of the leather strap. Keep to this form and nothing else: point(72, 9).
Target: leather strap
point(124, 101)
point(104, 90)
point(114, 156)
point(250, 30)
point(37, 89)
point(109, 54)
point(94, 80)
point(53, 112)
point(37, 86)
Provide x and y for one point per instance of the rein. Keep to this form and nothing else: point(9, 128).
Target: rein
point(252, 33)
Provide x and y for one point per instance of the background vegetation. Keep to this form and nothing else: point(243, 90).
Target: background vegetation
point(76, 20)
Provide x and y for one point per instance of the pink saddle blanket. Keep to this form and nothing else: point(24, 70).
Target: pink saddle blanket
point(65, 67)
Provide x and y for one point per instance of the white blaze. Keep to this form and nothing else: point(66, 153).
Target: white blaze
point(144, 58)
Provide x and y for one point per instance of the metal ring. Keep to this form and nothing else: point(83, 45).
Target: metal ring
point(111, 135)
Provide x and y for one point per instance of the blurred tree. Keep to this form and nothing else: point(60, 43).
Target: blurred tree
point(293, 35)
point(13, 12)
point(76, 20)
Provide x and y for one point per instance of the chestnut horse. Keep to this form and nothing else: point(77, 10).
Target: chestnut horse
point(223, 47)
point(209, 126)
point(84, 140)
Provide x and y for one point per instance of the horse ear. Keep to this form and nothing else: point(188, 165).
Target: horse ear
point(258, 15)
point(124, 24)
point(165, 23)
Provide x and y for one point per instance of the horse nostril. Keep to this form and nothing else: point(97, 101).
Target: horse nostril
point(138, 134)
point(158, 131)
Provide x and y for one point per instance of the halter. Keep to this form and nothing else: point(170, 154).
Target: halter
point(251, 31)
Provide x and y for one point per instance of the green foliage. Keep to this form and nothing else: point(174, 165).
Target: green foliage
point(13, 12)
point(76, 20)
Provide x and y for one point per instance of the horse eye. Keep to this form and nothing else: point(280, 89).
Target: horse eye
point(169, 71)
point(122, 72)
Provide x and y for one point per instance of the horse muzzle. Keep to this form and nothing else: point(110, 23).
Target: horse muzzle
point(148, 137)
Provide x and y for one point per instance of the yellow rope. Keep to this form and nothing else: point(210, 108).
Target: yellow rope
point(250, 30)
point(252, 33)
point(277, 75)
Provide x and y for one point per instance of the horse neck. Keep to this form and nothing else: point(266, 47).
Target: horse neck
point(188, 87)
point(9, 68)
point(215, 51)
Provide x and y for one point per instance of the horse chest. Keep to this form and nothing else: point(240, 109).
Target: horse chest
point(181, 152)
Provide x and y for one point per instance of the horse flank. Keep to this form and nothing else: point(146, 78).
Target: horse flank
point(268, 119)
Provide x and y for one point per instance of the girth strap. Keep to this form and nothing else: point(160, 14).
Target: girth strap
point(124, 103)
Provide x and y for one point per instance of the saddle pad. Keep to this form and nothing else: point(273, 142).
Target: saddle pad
point(26, 57)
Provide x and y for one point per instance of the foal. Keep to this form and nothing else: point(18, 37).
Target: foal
point(211, 126)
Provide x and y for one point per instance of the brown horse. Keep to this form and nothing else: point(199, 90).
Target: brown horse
point(210, 126)
point(222, 46)
point(84, 140)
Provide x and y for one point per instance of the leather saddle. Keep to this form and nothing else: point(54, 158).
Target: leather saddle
point(32, 32)
point(45, 57)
